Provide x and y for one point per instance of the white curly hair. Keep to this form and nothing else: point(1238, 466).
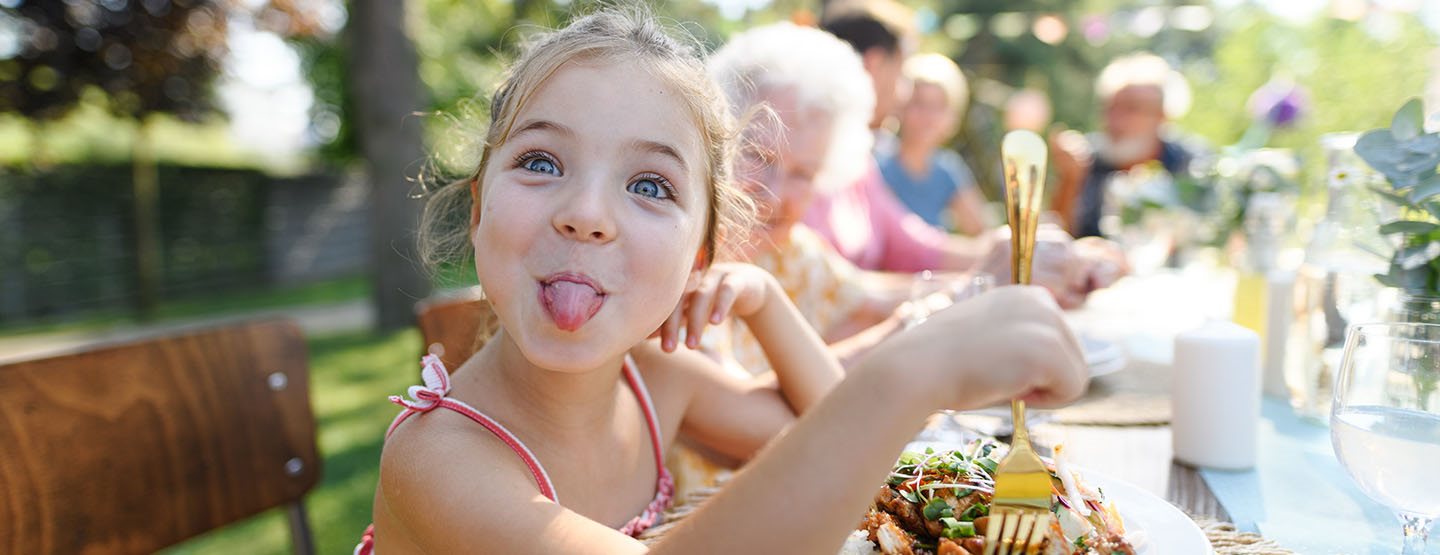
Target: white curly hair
point(822, 72)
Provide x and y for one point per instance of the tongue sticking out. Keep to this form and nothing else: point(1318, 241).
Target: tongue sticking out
point(570, 304)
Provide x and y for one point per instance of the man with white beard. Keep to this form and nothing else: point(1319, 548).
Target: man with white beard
point(1140, 93)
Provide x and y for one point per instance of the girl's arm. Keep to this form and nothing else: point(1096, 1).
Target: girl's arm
point(803, 493)
point(731, 414)
point(804, 369)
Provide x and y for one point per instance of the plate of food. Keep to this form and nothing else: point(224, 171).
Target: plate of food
point(936, 501)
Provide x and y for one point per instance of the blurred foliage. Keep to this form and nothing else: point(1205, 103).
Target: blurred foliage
point(99, 63)
point(465, 45)
point(148, 56)
point(1354, 72)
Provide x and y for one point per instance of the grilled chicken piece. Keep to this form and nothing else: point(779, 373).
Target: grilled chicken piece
point(894, 541)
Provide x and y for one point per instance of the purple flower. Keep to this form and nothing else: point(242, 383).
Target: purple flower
point(1278, 103)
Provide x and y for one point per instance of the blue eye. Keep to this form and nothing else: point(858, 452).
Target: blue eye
point(653, 187)
point(541, 165)
point(538, 162)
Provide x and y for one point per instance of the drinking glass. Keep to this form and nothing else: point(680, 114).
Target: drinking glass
point(931, 292)
point(1385, 420)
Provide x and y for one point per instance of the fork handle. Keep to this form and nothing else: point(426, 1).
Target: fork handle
point(1017, 416)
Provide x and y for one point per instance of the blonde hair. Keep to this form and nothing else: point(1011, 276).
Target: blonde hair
point(941, 71)
point(823, 73)
point(628, 35)
point(1146, 70)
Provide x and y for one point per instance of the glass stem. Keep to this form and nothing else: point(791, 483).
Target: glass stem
point(1417, 528)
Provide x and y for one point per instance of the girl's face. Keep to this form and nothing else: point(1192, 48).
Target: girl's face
point(592, 214)
point(780, 163)
point(928, 118)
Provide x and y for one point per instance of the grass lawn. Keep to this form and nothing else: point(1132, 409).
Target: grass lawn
point(350, 377)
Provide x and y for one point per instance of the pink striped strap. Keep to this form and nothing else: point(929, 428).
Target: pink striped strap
point(665, 483)
point(433, 395)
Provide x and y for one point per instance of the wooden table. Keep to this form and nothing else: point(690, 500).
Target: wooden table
point(1139, 455)
point(1143, 314)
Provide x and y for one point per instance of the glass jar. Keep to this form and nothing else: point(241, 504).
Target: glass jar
point(1335, 286)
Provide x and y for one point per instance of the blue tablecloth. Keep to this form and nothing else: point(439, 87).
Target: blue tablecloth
point(1300, 496)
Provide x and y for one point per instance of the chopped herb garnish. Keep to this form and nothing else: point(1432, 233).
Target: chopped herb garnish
point(955, 529)
point(937, 508)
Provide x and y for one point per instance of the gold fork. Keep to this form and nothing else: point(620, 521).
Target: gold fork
point(1020, 512)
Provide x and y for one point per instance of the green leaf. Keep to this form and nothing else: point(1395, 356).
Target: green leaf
point(936, 509)
point(1403, 166)
point(1389, 195)
point(1378, 148)
point(1427, 188)
point(1415, 256)
point(1417, 279)
point(1409, 121)
point(1408, 226)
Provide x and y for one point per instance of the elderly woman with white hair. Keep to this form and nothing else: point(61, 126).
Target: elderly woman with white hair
point(810, 101)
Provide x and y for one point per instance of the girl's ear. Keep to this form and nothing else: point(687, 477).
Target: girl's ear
point(474, 202)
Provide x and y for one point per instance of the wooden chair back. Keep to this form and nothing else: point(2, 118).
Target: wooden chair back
point(133, 447)
point(454, 325)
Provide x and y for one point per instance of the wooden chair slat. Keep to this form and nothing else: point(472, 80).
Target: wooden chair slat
point(134, 447)
point(455, 324)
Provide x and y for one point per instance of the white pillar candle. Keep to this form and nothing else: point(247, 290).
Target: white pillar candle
point(1216, 396)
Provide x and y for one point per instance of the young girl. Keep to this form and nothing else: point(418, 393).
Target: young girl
point(933, 181)
point(602, 193)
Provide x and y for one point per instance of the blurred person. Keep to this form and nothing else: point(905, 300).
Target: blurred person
point(867, 224)
point(817, 140)
point(1139, 95)
point(931, 180)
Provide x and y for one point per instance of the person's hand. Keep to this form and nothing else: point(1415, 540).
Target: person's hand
point(1055, 265)
point(725, 290)
point(1104, 261)
point(1009, 343)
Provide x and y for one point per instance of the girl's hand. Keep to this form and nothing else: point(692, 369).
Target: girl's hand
point(728, 289)
point(1009, 343)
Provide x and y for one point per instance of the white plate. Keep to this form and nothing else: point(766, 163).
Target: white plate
point(1103, 357)
point(1153, 525)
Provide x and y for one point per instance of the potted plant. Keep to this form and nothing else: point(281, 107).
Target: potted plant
point(1407, 156)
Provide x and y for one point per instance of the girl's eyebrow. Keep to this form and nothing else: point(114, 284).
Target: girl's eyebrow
point(661, 149)
point(646, 145)
point(541, 125)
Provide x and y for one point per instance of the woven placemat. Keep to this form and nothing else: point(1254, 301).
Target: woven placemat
point(1138, 395)
point(1223, 536)
point(1228, 541)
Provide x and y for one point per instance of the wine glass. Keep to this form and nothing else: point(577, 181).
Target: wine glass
point(1385, 420)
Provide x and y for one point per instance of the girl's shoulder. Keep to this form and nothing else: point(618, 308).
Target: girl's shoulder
point(439, 469)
